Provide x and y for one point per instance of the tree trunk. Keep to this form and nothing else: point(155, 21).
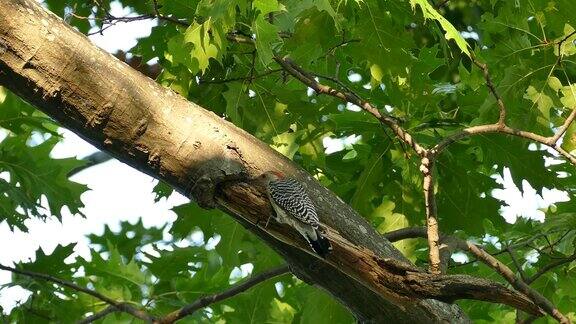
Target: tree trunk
point(158, 132)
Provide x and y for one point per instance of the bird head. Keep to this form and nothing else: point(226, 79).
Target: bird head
point(269, 176)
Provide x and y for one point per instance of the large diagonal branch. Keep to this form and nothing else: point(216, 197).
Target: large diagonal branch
point(160, 133)
point(348, 96)
point(399, 280)
point(156, 131)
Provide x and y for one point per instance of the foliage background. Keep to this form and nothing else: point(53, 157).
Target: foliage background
point(402, 56)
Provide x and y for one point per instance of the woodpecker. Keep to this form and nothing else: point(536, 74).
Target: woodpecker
point(294, 207)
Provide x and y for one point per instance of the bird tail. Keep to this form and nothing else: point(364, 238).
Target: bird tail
point(321, 245)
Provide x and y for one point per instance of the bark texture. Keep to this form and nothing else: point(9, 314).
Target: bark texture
point(156, 131)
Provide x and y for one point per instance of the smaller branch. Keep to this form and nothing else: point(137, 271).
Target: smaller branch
point(237, 38)
point(492, 88)
point(560, 42)
point(167, 18)
point(249, 78)
point(96, 316)
point(342, 43)
point(431, 216)
point(495, 264)
point(517, 283)
point(565, 154)
point(441, 4)
point(405, 233)
point(516, 263)
point(553, 140)
point(119, 305)
point(549, 267)
point(91, 160)
point(113, 20)
point(501, 127)
point(496, 128)
point(233, 291)
point(346, 96)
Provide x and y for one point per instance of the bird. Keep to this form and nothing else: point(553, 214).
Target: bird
point(294, 207)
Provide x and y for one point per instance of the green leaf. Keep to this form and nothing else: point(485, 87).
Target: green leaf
point(115, 269)
point(543, 101)
point(450, 31)
point(281, 312)
point(569, 139)
point(350, 155)
point(320, 308)
point(53, 263)
point(128, 240)
point(266, 6)
point(206, 45)
point(162, 190)
point(235, 97)
point(33, 174)
point(19, 117)
point(266, 38)
point(287, 143)
point(179, 8)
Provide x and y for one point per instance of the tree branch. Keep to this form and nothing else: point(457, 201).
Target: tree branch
point(166, 18)
point(91, 160)
point(516, 263)
point(347, 96)
point(249, 78)
point(493, 263)
point(496, 128)
point(501, 127)
point(493, 91)
point(154, 130)
point(549, 267)
point(431, 216)
point(231, 292)
point(126, 308)
point(101, 314)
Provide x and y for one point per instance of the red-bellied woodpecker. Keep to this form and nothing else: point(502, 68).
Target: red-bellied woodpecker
point(293, 207)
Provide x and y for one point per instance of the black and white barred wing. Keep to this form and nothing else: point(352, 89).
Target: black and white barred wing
point(289, 195)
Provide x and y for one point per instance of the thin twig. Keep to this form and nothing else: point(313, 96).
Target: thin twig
point(549, 267)
point(167, 18)
point(564, 39)
point(249, 78)
point(120, 305)
point(342, 43)
point(101, 314)
point(441, 4)
point(346, 96)
point(516, 263)
point(233, 291)
point(496, 128)
point(493, 91)
point(91, 160)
